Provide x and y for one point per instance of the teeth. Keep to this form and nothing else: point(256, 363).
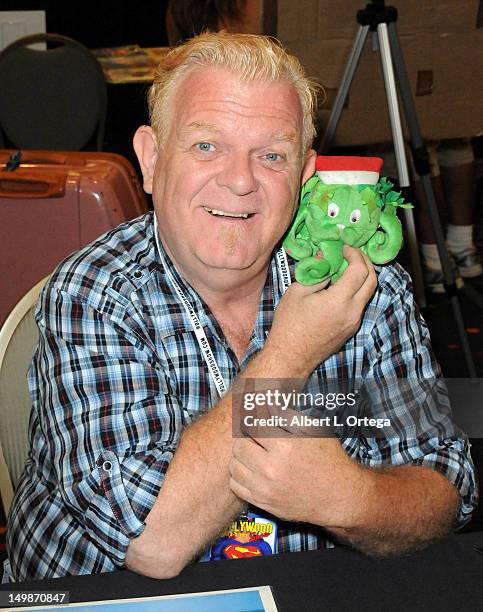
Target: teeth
point(222, 213)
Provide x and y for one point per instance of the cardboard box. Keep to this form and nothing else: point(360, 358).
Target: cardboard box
point(365, 119)
point(444, 69)
point(329, 19)
point(456, 107)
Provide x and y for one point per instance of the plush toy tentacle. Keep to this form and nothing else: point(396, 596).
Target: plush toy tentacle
point(296, 245)
point(340, 271)
point(312, 270)
point(385, 245)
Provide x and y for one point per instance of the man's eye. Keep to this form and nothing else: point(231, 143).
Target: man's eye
point(273, 157)
point(204, 147)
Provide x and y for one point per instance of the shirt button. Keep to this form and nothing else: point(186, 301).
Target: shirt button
point(137, 274)
point(107, 466)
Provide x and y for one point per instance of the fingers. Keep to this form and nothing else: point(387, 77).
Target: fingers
point(304, 290)
point(241, 491)
point(243, 469)
point(248, 453)
point(359, 276)
point(357, 271)
point(369, 286)
point(239, 472)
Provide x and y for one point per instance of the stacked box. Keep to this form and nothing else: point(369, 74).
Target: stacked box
point(442, 43)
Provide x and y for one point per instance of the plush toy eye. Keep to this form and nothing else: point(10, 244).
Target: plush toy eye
point(332, 210)
point(355, 216)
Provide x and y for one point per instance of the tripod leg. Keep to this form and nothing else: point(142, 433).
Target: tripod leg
point(420, 153)
point(423, 170)
point(345, 84)
point(400, 152)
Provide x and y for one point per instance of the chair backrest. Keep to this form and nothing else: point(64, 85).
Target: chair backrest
point(18, 339)
point(52, 99)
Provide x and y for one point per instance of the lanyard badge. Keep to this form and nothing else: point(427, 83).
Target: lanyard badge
point(249, 536)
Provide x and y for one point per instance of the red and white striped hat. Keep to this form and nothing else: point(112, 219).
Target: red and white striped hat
point(343, 170)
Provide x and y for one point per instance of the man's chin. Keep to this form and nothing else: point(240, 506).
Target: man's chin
point(231, 261)
point(228, 264)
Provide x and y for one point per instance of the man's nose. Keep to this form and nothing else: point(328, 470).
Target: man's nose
point(238, 175)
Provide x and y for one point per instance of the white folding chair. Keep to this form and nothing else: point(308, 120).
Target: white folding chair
point(18, 339)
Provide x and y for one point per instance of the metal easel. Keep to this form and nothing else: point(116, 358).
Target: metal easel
point(381, 20)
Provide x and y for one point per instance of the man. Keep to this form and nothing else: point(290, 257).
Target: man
point(133, 462)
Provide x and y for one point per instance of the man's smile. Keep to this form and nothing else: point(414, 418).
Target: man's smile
point(224, 213)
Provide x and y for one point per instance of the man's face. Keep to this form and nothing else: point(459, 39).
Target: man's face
point(225, 183)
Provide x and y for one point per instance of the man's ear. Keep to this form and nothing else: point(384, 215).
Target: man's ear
point(146, 148)
point(309, 165)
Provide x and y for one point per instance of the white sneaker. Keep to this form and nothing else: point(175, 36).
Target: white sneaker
point(433, 278)
point(469, 263)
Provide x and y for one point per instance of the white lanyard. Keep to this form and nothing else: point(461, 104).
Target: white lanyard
point(283, 268)
point(203, 343)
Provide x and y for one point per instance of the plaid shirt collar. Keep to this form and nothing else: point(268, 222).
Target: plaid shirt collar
point(271, 295)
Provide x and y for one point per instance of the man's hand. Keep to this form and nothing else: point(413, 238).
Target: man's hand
point(378, 510)
point(312, 322)
point(298, 478)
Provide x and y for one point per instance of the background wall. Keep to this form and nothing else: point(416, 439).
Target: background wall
point(442, 43)
point(102, 24)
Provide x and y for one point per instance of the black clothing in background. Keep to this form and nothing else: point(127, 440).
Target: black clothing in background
point(101, 24)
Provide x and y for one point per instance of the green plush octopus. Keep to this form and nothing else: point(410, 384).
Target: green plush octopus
point(333, 214)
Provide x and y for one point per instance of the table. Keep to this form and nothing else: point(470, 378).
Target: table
point(448, 575)
point(130, 63)
point(129, 72)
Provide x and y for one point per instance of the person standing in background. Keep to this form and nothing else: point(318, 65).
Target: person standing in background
point(187, 18)
point(453, 178)
point(454, 184)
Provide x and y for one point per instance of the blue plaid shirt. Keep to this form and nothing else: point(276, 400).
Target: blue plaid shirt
point(118, 374)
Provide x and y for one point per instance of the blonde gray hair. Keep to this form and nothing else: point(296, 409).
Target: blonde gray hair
point(252, 57)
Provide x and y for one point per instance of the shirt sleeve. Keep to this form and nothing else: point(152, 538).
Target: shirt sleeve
point(405, 384)
point(109, 418)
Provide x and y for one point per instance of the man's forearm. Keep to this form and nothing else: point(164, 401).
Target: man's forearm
point(399, 509)
point(195, 502)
